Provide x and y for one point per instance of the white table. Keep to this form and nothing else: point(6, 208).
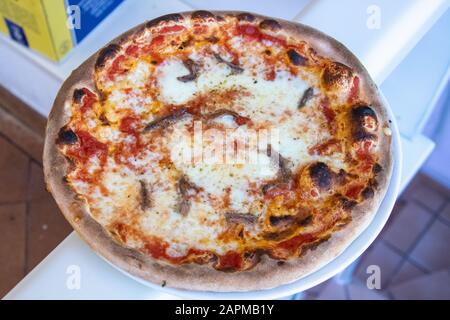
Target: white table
point(403, 23)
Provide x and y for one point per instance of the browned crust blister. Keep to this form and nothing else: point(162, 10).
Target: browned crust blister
point(268, 273)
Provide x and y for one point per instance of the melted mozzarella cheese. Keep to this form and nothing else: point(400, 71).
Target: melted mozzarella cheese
point(218, 175)
point(172, 90)
point(266, 101)
point(271, 105)
point(285, 91)
point(139, 75)
point(216, 179)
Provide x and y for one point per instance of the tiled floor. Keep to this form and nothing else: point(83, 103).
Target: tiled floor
point(30, 222)
point(412, 252)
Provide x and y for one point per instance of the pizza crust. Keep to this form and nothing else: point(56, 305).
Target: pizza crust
point(268, 273)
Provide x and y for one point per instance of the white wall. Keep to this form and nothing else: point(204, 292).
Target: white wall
point(438, 129)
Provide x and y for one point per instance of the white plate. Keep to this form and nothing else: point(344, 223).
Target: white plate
point(349, 255)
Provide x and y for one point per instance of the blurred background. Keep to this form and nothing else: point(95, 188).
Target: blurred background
point(405, 45)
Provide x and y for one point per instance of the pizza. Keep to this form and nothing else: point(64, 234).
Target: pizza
point(222, 151)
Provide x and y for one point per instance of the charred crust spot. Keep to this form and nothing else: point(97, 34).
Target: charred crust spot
point(280, 263)
point(321, 175)
point(202, 15)
point(296, 58)
point(164, 283)
point(361, 111)
point(336, 74)
point(373, 182)
point(66, 136)
point(270, 24)
point(78, 94)
point(173, 17)
point(306, 221)
point(245, 16)
point(358, 114)
point(377, 168)
point(368, 193)
point(277, 221)
point(360, 134)
point(347, 204)
point(105, 54)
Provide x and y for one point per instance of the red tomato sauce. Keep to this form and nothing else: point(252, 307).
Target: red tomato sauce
point(279, 190)
point(157, 248)
point(129, 124)
point(170, 29)
point(324, 148)
point(232, 53)
point(230, 260)
point(87, 147)
point(354, 91)
point(253, 33)
point(154, 44)
point(354, 191)
point(365, 157)
point(132, 50)
point(200, 29)
point(329, 113)
point(270, 75)
point(117, 67)
point(123, 151)
point(88, 101)
point(295, 242)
